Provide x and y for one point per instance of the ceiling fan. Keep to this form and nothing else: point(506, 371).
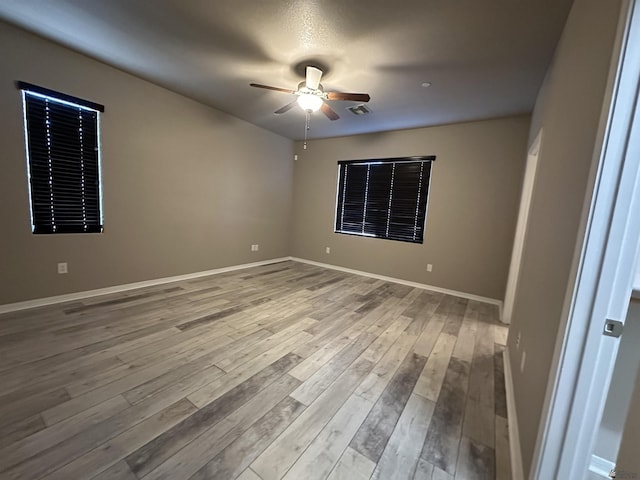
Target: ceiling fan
point(311, 96)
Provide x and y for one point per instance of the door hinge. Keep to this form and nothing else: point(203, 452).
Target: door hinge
point(613, 328)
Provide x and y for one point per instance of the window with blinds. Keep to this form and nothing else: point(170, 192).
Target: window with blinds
point(62, 143)
point(385, 198)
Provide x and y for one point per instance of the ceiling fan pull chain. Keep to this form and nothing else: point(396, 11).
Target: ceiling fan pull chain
point(306, 128)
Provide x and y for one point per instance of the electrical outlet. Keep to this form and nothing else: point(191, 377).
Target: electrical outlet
point(522, 360)
point(518, 340)
point(429, 267)
point(62, 267)
point(327, 249)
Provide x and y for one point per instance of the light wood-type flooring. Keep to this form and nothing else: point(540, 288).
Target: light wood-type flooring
point(285, 371)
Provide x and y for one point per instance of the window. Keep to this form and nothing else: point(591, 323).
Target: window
point(384, 198)
point(63, 157)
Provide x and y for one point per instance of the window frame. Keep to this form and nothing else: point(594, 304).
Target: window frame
point(340, 196)
point(41, 227)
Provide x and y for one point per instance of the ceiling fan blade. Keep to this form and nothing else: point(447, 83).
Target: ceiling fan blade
point(267, 87)
point(356, 97)
point(313, 77)
point(329, 112)
point(286, 108)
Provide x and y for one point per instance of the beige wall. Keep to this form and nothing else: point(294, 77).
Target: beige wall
point(568, 109)
point(186, 187)
point(475, 188)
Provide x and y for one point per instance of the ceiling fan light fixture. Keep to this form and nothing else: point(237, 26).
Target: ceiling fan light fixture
point(309, 102)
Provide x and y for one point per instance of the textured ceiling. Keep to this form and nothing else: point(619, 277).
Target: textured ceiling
point(484, 58)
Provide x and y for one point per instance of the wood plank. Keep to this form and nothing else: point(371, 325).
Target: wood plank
point(249, 474)
point(456, 308)
point(102, 377)
point(443, 438)
point(310, 389)
point(242, 356)
point(139, 376)
point(432, 376)
point(325, 450)
point(420, 301)
point(500, 389)
point(163, 446)
point(372, 437)
point(297, 311)
point(424, 470)
point(479, 423)
point(481, 381)
point(475, 461)
point(65, 368)
point(352, 466)
point(185, 386)
point(118, 471)
point(274, 462)
point(374, 384)
point(33, 351)
point(503, 452)
point(384, 341)
point(240, 453)
point(465, 345)
point(440, 475)
point(27, 406)
point(317, 359)
point(69, 449)
point(115, 449)
point(186, 346)
point(13, 432)
point(220, 386)
point(45, 438)
point(171, 377)
point(429, 335)
point(197, 453)
point(51, 374)
point(400, 457)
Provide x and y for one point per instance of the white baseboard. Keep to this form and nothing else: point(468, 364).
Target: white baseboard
point(41, 302)
point(600, 468)
point(424, 286)
point(514, 434)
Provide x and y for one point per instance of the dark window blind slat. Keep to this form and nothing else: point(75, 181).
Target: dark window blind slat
point(384, 199)
point(62, 141)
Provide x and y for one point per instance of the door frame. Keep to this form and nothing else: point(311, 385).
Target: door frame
point(604, 267)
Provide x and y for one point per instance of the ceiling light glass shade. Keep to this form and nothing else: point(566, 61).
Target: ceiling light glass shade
point(309, 102)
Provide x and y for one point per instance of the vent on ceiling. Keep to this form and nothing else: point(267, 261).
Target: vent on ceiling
point(361, 109)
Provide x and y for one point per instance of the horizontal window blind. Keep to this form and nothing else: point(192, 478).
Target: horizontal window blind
point(64, 165)
point(384, 198)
